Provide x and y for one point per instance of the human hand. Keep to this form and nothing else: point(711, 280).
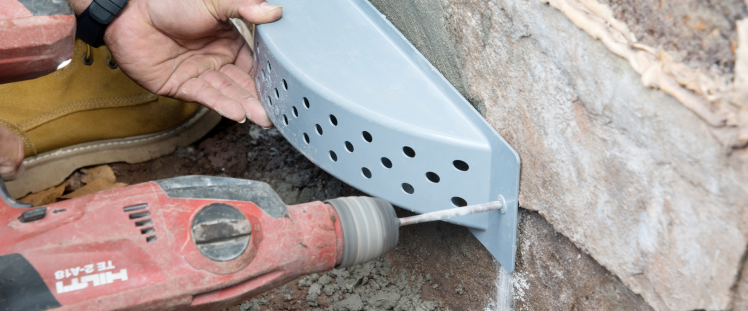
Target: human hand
point(190, 50)
point(11, 154)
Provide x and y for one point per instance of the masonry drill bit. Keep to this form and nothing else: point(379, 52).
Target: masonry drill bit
point(454, 212)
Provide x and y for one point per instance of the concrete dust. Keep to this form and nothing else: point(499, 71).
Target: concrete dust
point(375, 285)
point(506, 292)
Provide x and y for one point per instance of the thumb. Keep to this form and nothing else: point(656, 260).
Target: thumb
point(11, 154)
point(254, 11)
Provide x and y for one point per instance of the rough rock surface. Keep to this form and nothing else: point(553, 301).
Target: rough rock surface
point(627, 173)
point(552, 274)
point(703, 32)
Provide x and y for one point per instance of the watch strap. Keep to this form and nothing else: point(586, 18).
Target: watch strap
point(104, 11)
point(92, 23)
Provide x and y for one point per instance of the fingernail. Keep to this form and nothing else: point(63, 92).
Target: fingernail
point(269, 6)
point(267, 128)
point(243, 120)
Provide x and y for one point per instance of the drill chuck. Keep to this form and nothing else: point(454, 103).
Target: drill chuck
point(370, 228)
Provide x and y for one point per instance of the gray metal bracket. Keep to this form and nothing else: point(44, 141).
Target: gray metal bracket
point(347, 90)
point(8, 199)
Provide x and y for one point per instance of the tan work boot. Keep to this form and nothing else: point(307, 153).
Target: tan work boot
point(90, 113)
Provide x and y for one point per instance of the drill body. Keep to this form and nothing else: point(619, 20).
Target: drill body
point(191, 242)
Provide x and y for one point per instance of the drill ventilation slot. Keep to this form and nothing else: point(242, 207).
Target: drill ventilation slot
point(355, 97)
point(143, 223)
point(137, 213)
point(135, 208)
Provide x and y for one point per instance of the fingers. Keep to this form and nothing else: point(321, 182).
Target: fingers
point(11, 154)
point(244, 59)
point(254, 11)
point(201, 91)
point(255, 112)
point(227, 92)
point(259, 12)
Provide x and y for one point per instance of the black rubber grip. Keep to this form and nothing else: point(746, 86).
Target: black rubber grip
point(21, 286)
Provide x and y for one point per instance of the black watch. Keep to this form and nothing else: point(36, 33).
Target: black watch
point(93, 21)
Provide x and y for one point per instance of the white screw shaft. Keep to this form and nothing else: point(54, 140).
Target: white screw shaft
point(453, 212)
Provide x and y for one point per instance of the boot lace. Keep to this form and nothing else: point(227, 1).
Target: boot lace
point(88, 58)
point(110, 60)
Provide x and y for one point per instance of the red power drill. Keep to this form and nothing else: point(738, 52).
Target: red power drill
point(193, 242)
point(37, 38)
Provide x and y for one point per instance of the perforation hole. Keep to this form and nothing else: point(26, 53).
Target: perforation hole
point(151, 239)
point(264, 77)
point(285, 119)
point(409, 152)
point(367, 136)
point(386, 162)
point(461, 165)
point(306, 103)
point(148, 230)
point(333, 156)
point(348, 146)
point(433, 177)
point(366, 172)
point(270, 101)
point(319, 129)
point(295, 112)
point(408, 188)
point(333, 120)
point(257, 83)
point(285, 85)
point(277, 94)
point(269, 69)
point(306, 138)
point(459, 202)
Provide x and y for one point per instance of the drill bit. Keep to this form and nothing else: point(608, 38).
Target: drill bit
point(454, 212)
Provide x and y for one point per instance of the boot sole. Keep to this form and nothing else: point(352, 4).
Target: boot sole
point(50, 168)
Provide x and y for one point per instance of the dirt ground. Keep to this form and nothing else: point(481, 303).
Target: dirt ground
point(436, 266)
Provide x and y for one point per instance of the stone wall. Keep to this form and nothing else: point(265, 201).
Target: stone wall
point(628, 173)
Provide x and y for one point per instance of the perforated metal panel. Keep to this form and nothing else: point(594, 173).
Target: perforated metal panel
point(357, 99)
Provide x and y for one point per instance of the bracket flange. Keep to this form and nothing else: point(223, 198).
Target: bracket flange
point(347, 90)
